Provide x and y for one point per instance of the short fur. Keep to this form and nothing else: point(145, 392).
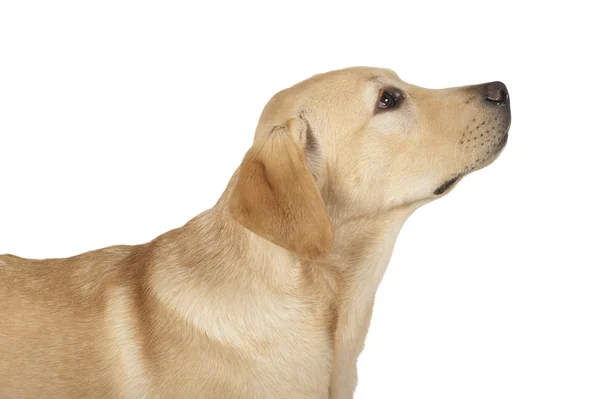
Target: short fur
point(268, 294)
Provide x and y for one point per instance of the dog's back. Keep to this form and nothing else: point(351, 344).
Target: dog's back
point(133, 322)
point(54, 324)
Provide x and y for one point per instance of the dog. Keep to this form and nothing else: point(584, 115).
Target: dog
point(269, 293)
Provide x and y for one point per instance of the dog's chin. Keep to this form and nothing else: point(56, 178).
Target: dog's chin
point(452, 181)
point(489, 159)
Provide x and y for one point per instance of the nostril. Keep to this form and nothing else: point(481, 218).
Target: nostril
point(497, 93)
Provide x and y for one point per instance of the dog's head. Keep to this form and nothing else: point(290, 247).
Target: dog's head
point(362, 141)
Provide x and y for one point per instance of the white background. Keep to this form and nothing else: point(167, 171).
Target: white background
point(120, 120)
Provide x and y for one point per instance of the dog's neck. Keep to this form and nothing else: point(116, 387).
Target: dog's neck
point(363, 244)
point(213, 250)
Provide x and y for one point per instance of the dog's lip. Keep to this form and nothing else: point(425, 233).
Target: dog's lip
point(449, 183)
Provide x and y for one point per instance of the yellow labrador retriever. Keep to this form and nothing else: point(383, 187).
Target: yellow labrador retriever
point(268, 294)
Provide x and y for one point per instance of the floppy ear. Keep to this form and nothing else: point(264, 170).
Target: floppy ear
point(276, 197)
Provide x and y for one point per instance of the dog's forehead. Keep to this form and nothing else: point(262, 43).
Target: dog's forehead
point(351, 82)
point(355, 83)
point(354, 75)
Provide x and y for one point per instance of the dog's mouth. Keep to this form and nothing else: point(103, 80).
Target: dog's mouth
point(447, 185)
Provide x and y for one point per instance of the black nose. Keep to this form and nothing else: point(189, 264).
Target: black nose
point(497, 93)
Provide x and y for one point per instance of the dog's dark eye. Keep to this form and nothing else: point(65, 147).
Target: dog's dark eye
point(387, 99)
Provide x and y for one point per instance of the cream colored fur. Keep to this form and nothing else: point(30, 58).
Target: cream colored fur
point(268, 294)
